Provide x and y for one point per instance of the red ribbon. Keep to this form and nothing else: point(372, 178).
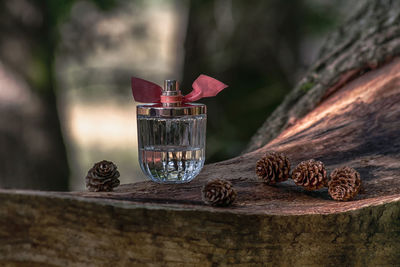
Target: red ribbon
point(148, 92)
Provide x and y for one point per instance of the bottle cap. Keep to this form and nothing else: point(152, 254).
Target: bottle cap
point(170, 86)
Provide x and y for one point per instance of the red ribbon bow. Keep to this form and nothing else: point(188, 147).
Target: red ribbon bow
point(148, 92)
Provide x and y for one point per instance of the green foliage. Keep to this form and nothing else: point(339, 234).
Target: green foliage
point(38, 74)
point(59, 10)
point(306, 86)
point(41, 68)
point(318, 18)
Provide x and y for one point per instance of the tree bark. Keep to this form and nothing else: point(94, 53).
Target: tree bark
point(219, 42)
point(367, 40)
point(33, 153)
point(355, 123)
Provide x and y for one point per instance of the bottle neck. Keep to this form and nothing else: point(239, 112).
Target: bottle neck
point(171, 96)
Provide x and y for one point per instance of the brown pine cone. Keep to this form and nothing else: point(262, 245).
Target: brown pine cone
point(310, 174)
point(273, 168)
point(219, 193)
point(344, 184)
point(103, 176)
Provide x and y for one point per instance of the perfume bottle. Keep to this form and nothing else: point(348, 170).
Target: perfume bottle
point(171, 137)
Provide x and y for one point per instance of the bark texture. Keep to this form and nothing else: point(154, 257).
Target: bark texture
point(367, 40)
point(356, 124)
point(55, 230)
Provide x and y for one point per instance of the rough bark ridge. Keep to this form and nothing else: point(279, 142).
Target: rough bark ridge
point(357, 125)
point(367, 40)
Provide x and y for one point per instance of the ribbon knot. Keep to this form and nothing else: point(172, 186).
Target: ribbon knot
point(148, 92)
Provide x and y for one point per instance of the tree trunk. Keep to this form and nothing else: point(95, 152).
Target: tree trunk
point(219, 43)
point(367, 40)
point(354, 123)
point(33, 153)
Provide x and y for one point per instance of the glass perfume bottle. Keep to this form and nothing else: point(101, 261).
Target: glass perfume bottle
point(171, 137)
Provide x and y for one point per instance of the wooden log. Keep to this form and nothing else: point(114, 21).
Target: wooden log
point(148, 223)
point(368, 39)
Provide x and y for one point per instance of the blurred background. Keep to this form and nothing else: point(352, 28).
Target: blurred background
point(65, 68)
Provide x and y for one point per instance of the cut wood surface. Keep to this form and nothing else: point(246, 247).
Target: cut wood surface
point(152, 224)
point(359, 127)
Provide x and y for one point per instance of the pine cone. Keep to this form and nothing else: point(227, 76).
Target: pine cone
point(344, 184)
point(219, 193)
point(273, 167)
point(310, 174)
point(103, 176)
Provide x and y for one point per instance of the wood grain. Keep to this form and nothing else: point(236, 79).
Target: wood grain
point(168, 225)
point(367, 40)
point(359, 127)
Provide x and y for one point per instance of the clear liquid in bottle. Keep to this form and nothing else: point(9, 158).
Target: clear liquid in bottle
point(172, 148)
point(172, 164)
